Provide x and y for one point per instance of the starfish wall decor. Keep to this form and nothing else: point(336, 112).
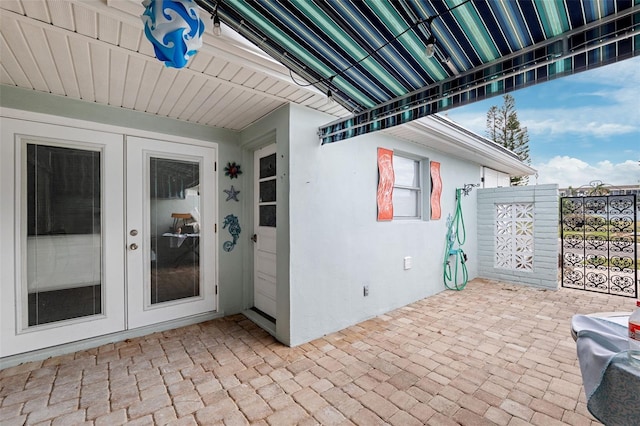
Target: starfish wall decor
point(232, 194)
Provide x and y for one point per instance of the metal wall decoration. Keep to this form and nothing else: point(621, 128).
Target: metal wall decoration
point(232, 170)
point(599, 244)
point(231, 221)
point(386, 179)
point(232, 194)
point(514, 236)
point(174, 29)
point(436, 190)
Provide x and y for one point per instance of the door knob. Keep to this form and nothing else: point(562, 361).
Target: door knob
point(133, 246)
point(254, 238)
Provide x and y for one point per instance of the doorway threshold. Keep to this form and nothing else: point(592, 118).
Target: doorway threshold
point(264, 314)
point(262, 320)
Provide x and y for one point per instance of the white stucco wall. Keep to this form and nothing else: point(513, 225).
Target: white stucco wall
point(330, 244)
point(336, 244)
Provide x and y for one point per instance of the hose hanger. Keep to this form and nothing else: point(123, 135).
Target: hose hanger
point(466, 189)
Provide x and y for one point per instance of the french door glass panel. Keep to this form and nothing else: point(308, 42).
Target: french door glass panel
point(175, 234)
point(64, 236)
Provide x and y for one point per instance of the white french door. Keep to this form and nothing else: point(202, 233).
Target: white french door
point(74, 204)
point(61, 216)
point(264, 249)
point(169, 231)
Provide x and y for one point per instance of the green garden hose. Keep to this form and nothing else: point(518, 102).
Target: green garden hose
point(457, 278)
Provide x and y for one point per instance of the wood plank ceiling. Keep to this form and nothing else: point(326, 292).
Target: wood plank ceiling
point(95, 51)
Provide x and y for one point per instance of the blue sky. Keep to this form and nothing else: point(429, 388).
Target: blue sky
point(582, 127)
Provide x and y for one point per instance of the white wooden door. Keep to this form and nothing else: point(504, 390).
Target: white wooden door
point(264, 284)
point(61, 221)
point(171, 259)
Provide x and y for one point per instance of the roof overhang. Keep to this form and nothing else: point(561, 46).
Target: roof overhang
point(369, 54)
point(443, 135)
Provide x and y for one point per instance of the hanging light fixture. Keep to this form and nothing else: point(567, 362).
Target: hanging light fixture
point(331, 100)
point(217, 30)
point(174, 29)
point(430, 51)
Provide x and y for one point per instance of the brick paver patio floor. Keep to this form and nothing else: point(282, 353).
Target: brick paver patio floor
point(491, 354)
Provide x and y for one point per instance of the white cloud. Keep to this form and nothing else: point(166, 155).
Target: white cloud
point(474, 121)
point(582, 121)
point(615, 112)
point(568, 171)
point(610, 109)
point(622, 73)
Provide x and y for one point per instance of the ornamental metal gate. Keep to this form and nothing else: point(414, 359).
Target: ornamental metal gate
point(599, 242)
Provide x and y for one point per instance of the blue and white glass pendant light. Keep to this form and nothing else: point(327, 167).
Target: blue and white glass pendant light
point(174, 28)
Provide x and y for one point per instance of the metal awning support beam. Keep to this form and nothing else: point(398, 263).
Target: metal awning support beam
point(608, 40)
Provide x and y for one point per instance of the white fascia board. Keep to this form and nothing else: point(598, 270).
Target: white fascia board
point(441, 137)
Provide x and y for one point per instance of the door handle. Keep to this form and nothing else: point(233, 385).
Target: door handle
point(133, 246)
point(254, 238)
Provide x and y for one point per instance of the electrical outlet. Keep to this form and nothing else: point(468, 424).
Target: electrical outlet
point(365, 290)
point(407, 262)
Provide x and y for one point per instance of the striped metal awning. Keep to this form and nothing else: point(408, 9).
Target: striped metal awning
point(370, 54)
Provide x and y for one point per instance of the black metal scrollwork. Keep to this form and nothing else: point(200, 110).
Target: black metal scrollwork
point(595, 223)
point(621, 264)
point(599, 243)
point(572, 260)
point(573, 278)
point(621, 224)
point(597, 281)
point(623, 205)
point(573, 223)
point(595, 261)
point(595, 242)
point(622, 244)
point(595, 205)
point(573, 241)
point(623, 284)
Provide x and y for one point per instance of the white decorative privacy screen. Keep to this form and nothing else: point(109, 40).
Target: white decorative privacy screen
point(514, 236)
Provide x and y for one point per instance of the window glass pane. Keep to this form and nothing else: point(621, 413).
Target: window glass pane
point(268, 166)
point(406, 171)
point(170, 179)
point(405, 203)
point(64, 244)
point(268, 191)
point(175, 229)
point(267, 216)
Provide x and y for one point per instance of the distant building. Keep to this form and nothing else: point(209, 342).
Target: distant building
point(613, 190)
